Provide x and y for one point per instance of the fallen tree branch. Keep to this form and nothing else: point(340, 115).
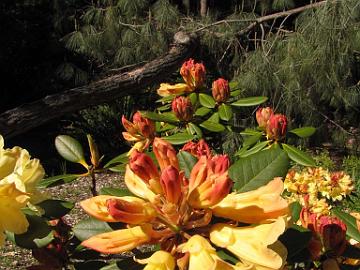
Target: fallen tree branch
point(21, 119)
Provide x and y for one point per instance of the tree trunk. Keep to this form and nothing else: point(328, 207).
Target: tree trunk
point(203, 7)
point(21, 119)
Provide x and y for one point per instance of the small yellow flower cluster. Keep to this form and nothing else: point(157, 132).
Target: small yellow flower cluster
point(316, 188)
point(19, 175)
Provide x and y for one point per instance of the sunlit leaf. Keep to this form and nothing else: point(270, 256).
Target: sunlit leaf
point(56, 208)
point(249, 101)
point(225, 112)
point(69, 148)
point(202, 111)
point(258, 169)
point(207, 101)
point(352, 230)
point(122, 158)
point(298, 156)
point(57, 180)
point(179, 138)
point(256, 148)
point(303, 132)
point(89, 227)
point(195, 130)
point(163, 117)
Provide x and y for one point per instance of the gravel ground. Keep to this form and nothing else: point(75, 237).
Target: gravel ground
point(14, 258)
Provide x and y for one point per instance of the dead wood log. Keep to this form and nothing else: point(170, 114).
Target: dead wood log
point(28, 116)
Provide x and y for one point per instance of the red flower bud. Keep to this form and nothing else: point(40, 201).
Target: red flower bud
point(165, 154)
point(263, 116)
point(201, 148)
point(143, 166)
point(145, 125)
point(170, 181)
point(182, 108)
point(333, 234)
point(220, 90)
point(193, 74)
point(220, 164)
point(276, 127)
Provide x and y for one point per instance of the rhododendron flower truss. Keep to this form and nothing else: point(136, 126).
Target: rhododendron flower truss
point(177, 212)
point(140, 132)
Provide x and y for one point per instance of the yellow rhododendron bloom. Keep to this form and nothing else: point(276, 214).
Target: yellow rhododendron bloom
point(254, 206)
point(251, 243)
point(12, 218)
point(120, 240)
point(167, 89)
point(160, 260)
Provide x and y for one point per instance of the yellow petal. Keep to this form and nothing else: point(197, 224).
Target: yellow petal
point(254, 206)
point(160, 260)
point(120, 240)
point(137, 186)
point(251, 243)
point(168, 89)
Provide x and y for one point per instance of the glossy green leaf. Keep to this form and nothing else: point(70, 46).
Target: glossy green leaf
point(295, 209)
point(162, 127)
point(256, 148)
point(295, 239)
point(249, 101)
point(303, 132)
point(214, 118)
point(57, 180)
point(202, 111)
point(195, 130)
point(193, 98)
point(166, 99)
point(233, 85)
point(254, 171)
point(179, 138)
point(225, 112)
point(118, 168)
point(251, 140)
point(207, 101)
point(212, 126)
point(164, 107)
point(39, 234)
point(54, 209)
point(69, 148)
point(122, 158)
point(87, 228)
point(186, 162)
point(119, 192)
point(352, 230)
point(235, 93)
point(298, 156)
point(250, 132)
point(163, 117)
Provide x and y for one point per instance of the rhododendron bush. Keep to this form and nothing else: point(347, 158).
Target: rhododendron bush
point(187, 206)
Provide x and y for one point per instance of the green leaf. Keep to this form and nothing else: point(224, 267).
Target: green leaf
point(39, 234)
point(202, 111)
point(119, 192)
point(193, 98)
point(164, 117)
point(256, 148)
point(295, 209)
point(249, 101)
point(207, 101)
point(122, 158)
point(164, 107)
point(212, 126)
point(225, 112)
point(352, 230)
point(195, 130)
point(179, 138)
point(251, 140)
point(89, 227)
point(186, 162)
point(69, 148)
point(166, 99)
point(54, 209)
point(295, 239)
point(254, 171)
point(234, 85)
point(161, 127)
point(118, 168)
point(303, 132)
point(250, 132)
point(214, 118)
point(227, 256)
point(57, 180)
point(235, 93)
point(298, 156)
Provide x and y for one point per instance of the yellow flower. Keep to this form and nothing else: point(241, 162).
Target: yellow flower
point(12, 218)
point(203, 255)
point(120, 240)
point(252, 244)
point(254, 206)
point(126, 209)
point(169, 89)
point(159, 260)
